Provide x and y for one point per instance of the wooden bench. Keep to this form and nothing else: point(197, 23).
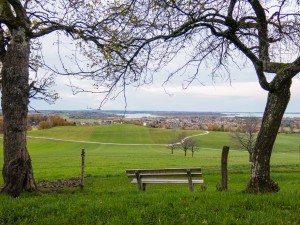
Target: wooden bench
point(141, 177)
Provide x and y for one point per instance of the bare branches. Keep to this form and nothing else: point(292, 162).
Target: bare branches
point(151, 32)
point(126, 42)
point(246, 134)
point(262, 31)
point(6, 15)
point(19, 10)
point(40, 89)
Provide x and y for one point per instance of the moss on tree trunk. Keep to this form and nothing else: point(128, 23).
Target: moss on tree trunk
point(260, 180)
point(17, 169)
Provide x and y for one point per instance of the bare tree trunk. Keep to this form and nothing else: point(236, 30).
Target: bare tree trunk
point(250, 157)
point(17, 169)
point(260, 180)
point(224, 169)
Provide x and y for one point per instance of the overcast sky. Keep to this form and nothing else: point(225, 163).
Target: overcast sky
point(239, 97)
point(241, 93)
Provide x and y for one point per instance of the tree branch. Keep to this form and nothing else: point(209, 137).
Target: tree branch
point(262, 32)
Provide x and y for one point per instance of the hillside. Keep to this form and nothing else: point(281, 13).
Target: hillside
point(109, 198)
point(118, 133)
point(112, 149)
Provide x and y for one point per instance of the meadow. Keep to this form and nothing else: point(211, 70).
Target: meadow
point(109, 198)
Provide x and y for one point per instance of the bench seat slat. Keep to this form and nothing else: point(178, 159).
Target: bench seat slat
point(156, 181)
point(152, 175)
point(166, 170)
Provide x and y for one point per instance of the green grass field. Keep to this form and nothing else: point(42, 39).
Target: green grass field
point(109, 198)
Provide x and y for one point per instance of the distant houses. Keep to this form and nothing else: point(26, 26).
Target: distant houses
point(179, 121)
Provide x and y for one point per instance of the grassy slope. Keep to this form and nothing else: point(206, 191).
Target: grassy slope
point(116, 133)
point(109, 198)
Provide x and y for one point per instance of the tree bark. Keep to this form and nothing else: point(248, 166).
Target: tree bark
point(260, 180)
point(17, 169)
point(224, 168)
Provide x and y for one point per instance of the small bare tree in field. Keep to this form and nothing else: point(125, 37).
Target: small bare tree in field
point(188, 143)
point(246, 135)
point(173, 145)
point(194, 145)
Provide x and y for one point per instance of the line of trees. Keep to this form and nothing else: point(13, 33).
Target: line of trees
point(42, 122)
point(185, 143)
point(54, 121)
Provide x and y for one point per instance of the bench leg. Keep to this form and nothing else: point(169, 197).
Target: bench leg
point(141, 186)
point(191, 185)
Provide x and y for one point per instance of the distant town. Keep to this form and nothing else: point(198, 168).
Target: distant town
point(210, 121)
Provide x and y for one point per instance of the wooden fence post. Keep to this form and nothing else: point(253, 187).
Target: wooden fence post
point(224, 169)
point(82, 168)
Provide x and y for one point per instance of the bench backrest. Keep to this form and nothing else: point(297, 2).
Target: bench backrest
point(168, 172)
point(187, 173)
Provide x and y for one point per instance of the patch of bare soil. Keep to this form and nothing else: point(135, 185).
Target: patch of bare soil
point(67, 183)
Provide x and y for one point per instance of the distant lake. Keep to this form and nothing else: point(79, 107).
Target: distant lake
point(137, 115)
point(257, 114)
